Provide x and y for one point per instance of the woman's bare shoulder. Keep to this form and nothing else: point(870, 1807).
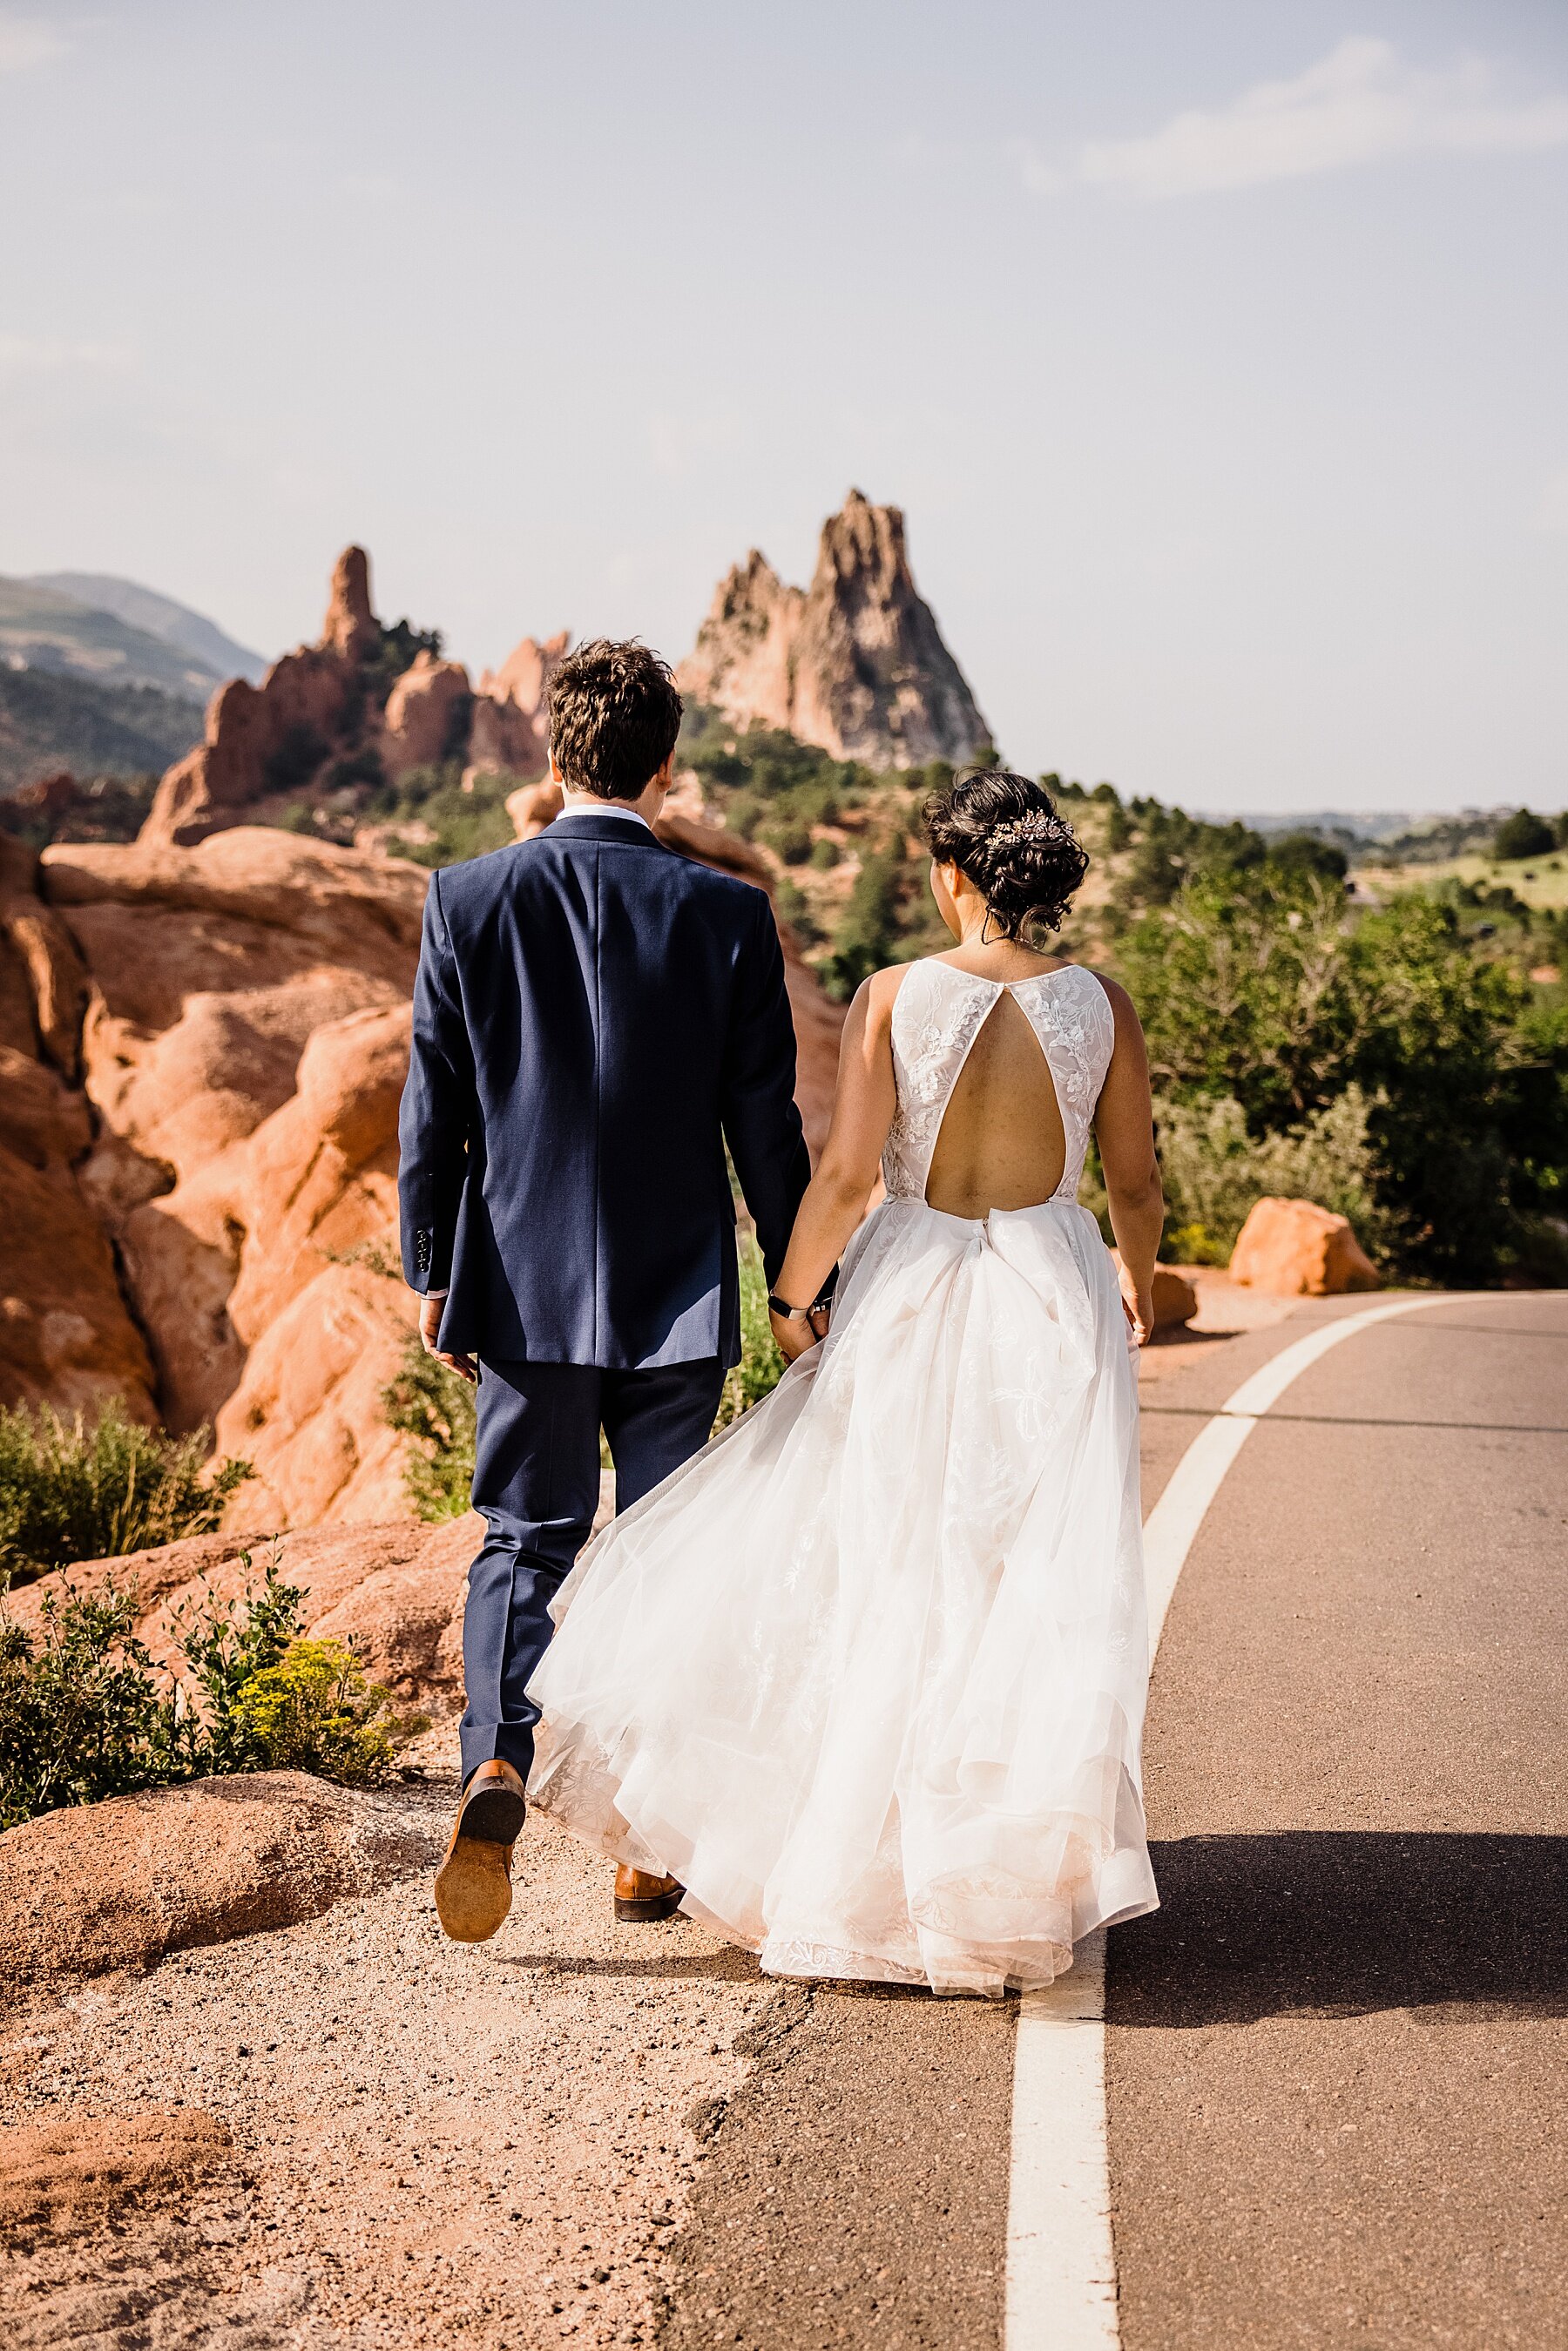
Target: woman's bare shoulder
point(1122, 1004)
point(875, 997)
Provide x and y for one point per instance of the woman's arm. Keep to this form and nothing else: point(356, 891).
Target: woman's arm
point(836, 1197)
point(1125, 1129)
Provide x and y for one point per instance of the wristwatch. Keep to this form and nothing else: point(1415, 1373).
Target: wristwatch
point(787, 1313)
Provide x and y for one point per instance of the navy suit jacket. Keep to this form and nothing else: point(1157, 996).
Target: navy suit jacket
point(594, 1018)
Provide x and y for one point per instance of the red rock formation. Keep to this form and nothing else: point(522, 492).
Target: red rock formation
point(118, 1884)
point(1297, 1249)
point(261, 742)
point(856, 664)
point(426, 716)
point(206, 1222)
point(243, 1051)
point(350, 628)
point(509, 734)
point(1174, 1298)
point(523, 678)
point(65, 1337)
point(266, 745)
point(395, 1590)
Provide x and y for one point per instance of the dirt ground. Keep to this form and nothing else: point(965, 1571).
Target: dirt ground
point(374, 2137)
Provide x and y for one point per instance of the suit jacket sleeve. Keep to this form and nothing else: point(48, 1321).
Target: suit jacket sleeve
point(438, 1109)
point(761, 1124)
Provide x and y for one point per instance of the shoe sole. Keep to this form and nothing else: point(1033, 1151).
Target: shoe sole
point(474, 1883)
point(640, 1910)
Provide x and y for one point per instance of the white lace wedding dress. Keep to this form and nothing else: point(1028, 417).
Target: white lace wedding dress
point(868, 1675)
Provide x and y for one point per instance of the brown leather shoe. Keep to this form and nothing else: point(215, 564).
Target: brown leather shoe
point(640, 1896)
point(474, 1883)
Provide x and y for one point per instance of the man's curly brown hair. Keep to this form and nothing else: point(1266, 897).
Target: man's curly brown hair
point(615, 714)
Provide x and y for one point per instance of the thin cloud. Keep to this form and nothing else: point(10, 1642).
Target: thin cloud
point(1359, 104)
point(26, 41)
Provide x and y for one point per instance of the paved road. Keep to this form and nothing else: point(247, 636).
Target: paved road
point(1335, 2057)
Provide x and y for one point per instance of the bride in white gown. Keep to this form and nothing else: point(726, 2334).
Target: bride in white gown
point(867, 1675)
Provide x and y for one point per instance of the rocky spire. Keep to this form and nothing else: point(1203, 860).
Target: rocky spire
point(350, 627)
point(856, 664)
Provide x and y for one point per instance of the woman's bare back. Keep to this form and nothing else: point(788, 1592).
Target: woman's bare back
point(1001, 1143)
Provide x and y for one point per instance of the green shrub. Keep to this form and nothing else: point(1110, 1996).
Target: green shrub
point(1214, 1171)
point(761, 1366)
point(314, 1711)
point(868, 934)
point(825, 855)
point(85, 1714)
point(794, 907)
point(80, 1713)
point(225, 1645)
point(435, 1409)
point(1524, 834)
point(791, 841)
point(462, 824)
point(1266, 986)
point(70, 1491)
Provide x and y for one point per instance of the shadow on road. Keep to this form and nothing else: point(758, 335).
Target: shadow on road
point(1331, 1923)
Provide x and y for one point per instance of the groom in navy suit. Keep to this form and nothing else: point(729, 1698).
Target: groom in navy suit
point(595, 1017)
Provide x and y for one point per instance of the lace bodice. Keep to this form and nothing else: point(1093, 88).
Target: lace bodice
point(937, 1013)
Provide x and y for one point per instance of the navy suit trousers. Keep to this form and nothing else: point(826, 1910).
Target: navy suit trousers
point(536, 1481)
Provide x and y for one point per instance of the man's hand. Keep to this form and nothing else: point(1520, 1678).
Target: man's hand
point(430, 1313)
point(793, 1335)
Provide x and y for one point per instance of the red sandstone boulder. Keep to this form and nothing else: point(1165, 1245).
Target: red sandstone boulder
point(1297, 1249)
point(118, 1884)
point(43, 986)
point(1173, 1297)
point(244, 1049)
point(426, 716)
point(66, 1336)
point(394, 1589)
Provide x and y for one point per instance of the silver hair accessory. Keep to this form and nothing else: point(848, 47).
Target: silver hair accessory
point(1036, 826)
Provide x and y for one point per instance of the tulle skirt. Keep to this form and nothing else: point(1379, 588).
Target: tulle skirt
point(868, 1674)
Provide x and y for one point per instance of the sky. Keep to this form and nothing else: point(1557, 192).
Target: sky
point(1216, 353)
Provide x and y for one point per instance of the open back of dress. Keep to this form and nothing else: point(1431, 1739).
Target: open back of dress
point(937, 1015)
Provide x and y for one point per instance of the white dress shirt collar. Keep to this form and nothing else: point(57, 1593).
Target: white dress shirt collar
point(603, 807)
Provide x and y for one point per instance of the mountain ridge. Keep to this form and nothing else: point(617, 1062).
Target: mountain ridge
point(179, 625)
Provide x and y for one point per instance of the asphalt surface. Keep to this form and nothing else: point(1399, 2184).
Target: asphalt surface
point(1336, 2056)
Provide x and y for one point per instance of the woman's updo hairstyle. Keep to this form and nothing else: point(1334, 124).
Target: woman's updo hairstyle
point(1003, 831)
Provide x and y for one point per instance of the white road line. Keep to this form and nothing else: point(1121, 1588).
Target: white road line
point(1061, 2260)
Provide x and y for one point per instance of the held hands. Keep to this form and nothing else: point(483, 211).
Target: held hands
point(793, 1334)
point(429, 1312)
